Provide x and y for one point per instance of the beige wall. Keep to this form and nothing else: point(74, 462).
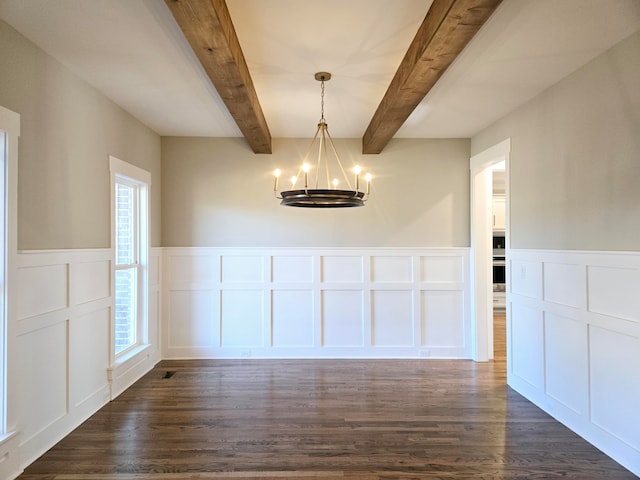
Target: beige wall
point(68, 131)
point(575, 159)
point(216, 192)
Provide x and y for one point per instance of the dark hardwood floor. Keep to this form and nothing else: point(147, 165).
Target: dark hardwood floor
point(323, 419)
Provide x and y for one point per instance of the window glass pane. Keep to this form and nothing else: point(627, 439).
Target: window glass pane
point(126, 315)
point(125, 224)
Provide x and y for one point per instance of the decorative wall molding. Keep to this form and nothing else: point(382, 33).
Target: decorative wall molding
point(63, 304)
point(316, 303)
point(574, 342)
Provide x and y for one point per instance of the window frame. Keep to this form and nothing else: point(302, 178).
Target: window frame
point(132, 176)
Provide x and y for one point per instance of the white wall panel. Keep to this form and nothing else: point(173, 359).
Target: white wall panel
point(392, 269)
point(242, 269)
point(154, 270)
point(392, 318)
point(41, 289)
point(292, 313)
point(442, 319)
point(527, 344)
point(345, 269)
point(43, 355)
point(63, 342)
point(566, 365)
point(88, 355)
point(615, 384)
point(310, 303)
point(582, 366)
point(526, 278)
point(560, 282)
point(90, 281)
point(615, 291)
point(242, 317)
point(192, 269)
point(442, 269)
point(342, 318)
point(292, 269)
point(192, 322)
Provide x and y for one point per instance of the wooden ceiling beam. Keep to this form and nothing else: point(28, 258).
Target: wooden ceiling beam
point(207, 26)
point(447, 28)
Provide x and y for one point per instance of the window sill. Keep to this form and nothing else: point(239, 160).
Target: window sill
point(130, 356)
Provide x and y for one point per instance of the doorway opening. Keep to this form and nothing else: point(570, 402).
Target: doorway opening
point(489, 220)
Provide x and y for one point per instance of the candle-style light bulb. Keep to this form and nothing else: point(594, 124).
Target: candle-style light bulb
point(335, 183)
point(305, 169)
point(276, 174)
point(356, 170)
point(368, 178)
point(294, 179)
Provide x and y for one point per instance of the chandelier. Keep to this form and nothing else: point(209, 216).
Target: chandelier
point(319, 188)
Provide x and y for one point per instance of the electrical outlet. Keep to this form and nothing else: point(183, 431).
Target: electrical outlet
point(245, 354)
point(425, 353)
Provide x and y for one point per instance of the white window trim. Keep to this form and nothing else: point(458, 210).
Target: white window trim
point(9, 403)
point(142, 178)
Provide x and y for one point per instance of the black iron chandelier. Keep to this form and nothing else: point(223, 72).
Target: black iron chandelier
point(312, 194)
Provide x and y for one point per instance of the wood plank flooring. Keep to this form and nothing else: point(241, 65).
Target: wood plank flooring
point(322, 419)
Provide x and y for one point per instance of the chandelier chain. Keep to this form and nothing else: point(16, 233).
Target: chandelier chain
point(322, 120)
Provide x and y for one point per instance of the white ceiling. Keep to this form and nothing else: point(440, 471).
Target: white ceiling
point(134, 53)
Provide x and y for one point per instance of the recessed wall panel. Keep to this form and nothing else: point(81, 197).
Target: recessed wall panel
point(191, 319)
point(527, 344)
point(154, 270)
point(345, 269)
point(89, 354)
point(392, 318)
point(442, 319)
point(242, 317)
point(292, 269)
point(526, 278)
point(41, 290)
point(342, 318)
point(393, 269)
point(566, 361)
point(192, 269)
point(615, 383)
point(43, 355)
point(292, 318)
point(442, 269)
point(242, 269)
point(90, 281)
point(565, 284)
point(615, 291)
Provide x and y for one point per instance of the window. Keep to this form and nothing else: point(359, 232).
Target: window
point(131, 247)
point(9, 133)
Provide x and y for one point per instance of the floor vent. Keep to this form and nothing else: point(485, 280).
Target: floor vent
point(168, 374)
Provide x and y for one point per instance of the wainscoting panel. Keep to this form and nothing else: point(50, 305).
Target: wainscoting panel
point(292, 318)
point(342, 318)
point(315, 303)
point(574, 342)
point(62, 334)
point(615, 395)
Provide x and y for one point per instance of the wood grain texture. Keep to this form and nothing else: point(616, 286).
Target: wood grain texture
point(322, 419)
point(447, 28)
point(208, 28)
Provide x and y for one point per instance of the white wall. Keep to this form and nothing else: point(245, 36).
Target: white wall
point(316, 303)
point(574, 343)
point(64, 306)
